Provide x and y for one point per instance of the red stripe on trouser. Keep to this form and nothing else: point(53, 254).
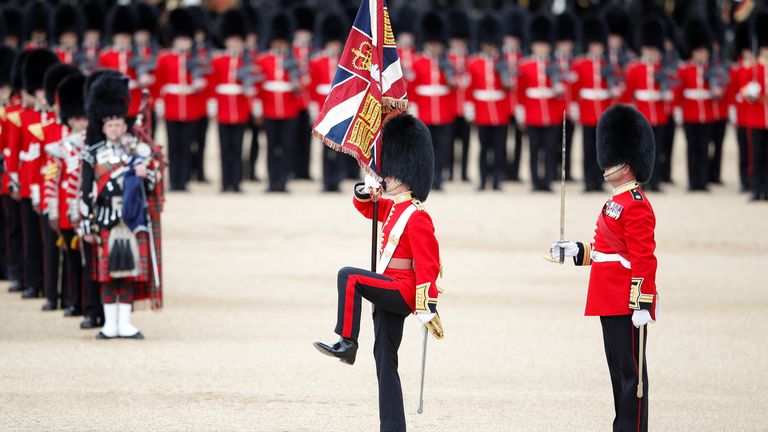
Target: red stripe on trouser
point(349, 298)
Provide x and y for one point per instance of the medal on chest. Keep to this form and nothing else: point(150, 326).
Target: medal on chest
point(613, 209)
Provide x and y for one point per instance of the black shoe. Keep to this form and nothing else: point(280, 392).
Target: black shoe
point(103, 336)
point(15, 287)
point(49, 305)
point(72, 312)
point(138, 335)
point(89, 323)
point(345, 350)
point(30, 293)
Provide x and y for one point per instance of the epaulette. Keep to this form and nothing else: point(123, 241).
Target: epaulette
point(15, 118)
point(37, 131)
point(636, 195)
point(419, 205)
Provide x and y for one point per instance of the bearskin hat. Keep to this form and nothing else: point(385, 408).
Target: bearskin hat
point(514, 22)
point(407, 154)
point(333, 28)
point(36, 16)
point(107, 98)
point(71, 93)
point(7, 58)
point(458, 24)
point(697, 34)
point(232, 24)
point(617, 21)
point(566, 27)
point(14, 22)
point(761, 27)
point(67, 19)
point(742, 39)
point(181, 23)
point(717, 27)
point(404, 20)
point(17, 74)
point(489, 30)
point(35, 66)
point(252, 19)
point(541, 29)
point(432, 28)
point(201, 18)
point(625, 136)
point(94, 16)
point(593, 30)
point(280, 28)
point(53, 77)
point(121, 21)
point(652, 33)
point(94, 132)
point(146, 17)
point(304, 17)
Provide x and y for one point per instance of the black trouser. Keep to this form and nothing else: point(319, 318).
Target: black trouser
point(180, 138)
point(493, 155)
point(760, 162)
point(716, 154)
point(621, 339)
point(3, 246)
point(231, 145)
point(545, 145)
point(73, 262)
point(197, 150)
point(388, 331)
point(593, 175)
point(253, 151)
point(698, 136)
point(659, 134)
point(461, 129)
point(92, 306)
point(281, 136)
point(442, 137)
point(53, 285)
point(513, 162)
point(743, 136)
point(333, 162)
point(302, 146)
point(33, 245)
point(664, 151)
point(14, 239)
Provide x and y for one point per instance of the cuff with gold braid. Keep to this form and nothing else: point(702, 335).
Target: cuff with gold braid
point(428, 306)
point(584, 257)
point(638, 300)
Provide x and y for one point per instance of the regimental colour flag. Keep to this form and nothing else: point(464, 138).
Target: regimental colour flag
point(368, 86)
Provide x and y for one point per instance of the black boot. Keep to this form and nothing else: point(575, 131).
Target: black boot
point(72, 311)
point(344, 350)
point(15, 286)
point(89, 322)
point(49, 305)
point(30, 293)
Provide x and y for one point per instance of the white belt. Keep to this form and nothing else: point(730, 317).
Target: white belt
point(323, 89)
point(278, 86)
point(604, 257)
point(32, 154)
point(648, 95)
point(432, 90)
point(540, 93)
point(594, 94)
point(697, 94)
point(229, 89)
point(177, 89)
point(488, 95)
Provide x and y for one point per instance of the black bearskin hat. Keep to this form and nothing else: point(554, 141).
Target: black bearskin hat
point(36, 16)
point(232, 24)
point(432, 28)
point(697, 34)
point(407, 154)
point(761, 27)
point(541, 29)
point(121, 21)
point(107, 98)
point(67, 19)
point(514, 23)
point(181, 23)
point(14, 22)
point(717, 27)
point(7, 58)
point(252, 19)
point(652, 33)
point(566, 27)
point(742, 39)
point(617, 20)
point(94, 16)
point(489, 30)
point(280, 28)
point(36, 64)
point(146, 17)
point(458, 24)
point(17, 74)
point(53, 77)
point(404, 20)
point(304, 18)
point(593, 30)
point(71, 97)
point(94, 132)
point(625, 136)
point(333, 28)
point(202, 19)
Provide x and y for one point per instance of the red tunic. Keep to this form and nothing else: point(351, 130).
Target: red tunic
point(322, 69)
point(279, 91)
point(460, 63)
point(301, 52)
point(49, 170)
point(66, 55)
point(644, 91)
point(231, 98)
point(739, 78)
point(30, 156)
point(487, 92)
point(757, 111)
point(431, 93)
point(417, 243)
point(537, 93)
point(64, 188)
point(174, 81)
point(694, 94)
point(120, 61)
point(590, 89)
point(10, 143)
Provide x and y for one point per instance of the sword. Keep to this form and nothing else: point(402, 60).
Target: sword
point(423, 368)
point(640, 362)
point(561, 259)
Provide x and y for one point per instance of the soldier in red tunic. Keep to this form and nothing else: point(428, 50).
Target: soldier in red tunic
point(301, 46)
point(566, 29)
point(739, 77)
point(121, 25)
point(94, 29)
point(458, 54)
point(67, 31)
point(622, 282)
point(756, 94)
point(512, 50)
point(36, 24)
point(408, 268)
point(10, 234)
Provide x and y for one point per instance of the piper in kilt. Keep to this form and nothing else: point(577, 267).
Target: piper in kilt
point(119, 172)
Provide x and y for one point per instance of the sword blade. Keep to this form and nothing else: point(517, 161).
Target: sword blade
point(562, 194)
point(423, 370)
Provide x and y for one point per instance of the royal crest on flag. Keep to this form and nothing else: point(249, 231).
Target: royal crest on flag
point(368, 86)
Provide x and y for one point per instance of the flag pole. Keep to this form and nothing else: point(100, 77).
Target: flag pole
point(374, 230)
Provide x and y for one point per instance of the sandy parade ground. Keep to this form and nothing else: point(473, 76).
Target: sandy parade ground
point(250, 283)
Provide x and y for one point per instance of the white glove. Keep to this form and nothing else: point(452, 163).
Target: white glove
point(573, 111)
point(257, 108)
point(641, 317)
point(678, 115)
point(752, 90)
point(570, 249)
point(469, 111)
point(520, 114)
point(370, 184)
point(733, 115)
point(212, 108)
point(425, 317)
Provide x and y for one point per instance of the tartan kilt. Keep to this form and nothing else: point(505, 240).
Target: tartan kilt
point(152, 292)
point(100, 271)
